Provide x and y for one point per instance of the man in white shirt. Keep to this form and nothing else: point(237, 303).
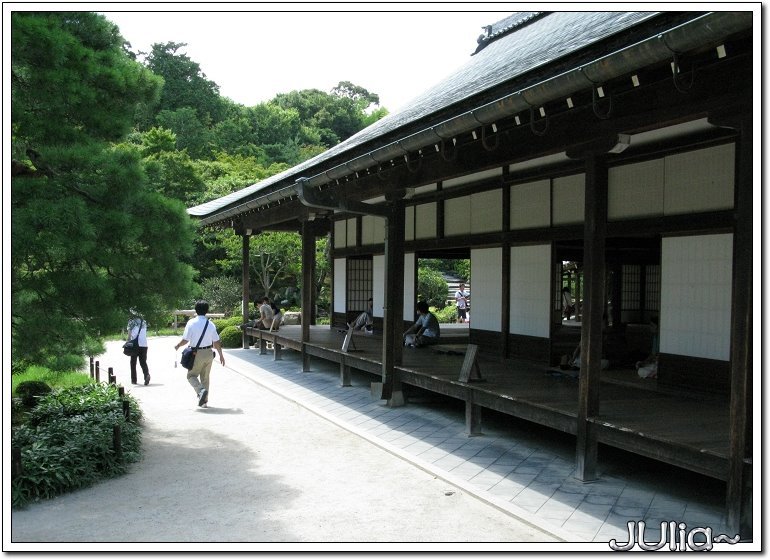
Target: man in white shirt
point(195, 335)
point(461, 298)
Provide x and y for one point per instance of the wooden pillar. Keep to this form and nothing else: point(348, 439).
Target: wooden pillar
point(392, 339)
point(739, 491)
point(245, 302)
point(308, 275)
point(593, 307)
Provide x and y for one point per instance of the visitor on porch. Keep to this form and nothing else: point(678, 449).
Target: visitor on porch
point(425, 330)
point(364, 320)
point(266, 315)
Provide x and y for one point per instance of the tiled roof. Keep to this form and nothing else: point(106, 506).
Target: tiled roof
point(517, 52)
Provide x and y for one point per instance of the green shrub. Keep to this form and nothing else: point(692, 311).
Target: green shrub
point(30, 391)
point(68, 441)
point(222, 324)
point(231, 337)
point(431, 287)
point(446, 315)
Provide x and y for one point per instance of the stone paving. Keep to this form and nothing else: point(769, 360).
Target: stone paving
point(521, 468)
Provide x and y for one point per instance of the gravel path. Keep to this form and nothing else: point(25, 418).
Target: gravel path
point(258, 473)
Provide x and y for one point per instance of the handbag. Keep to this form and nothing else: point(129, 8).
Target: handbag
point(131, 347)
point(188, 354)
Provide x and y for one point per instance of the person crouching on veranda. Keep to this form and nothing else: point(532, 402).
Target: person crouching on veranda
point(425, 330)
point(194, 331)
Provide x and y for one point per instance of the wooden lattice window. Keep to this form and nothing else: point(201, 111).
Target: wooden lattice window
point(631, 295)
point(360, 281)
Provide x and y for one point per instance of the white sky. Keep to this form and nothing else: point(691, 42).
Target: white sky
point(254, 55)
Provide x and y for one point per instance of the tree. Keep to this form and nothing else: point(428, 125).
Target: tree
point(185, 83)
point(274, 259)
point(335, 116)
point(90, 239)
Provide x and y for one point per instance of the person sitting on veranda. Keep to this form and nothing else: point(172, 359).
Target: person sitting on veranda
point(364, 320)
point(265, 320)
point(277, 314)
point(425, 330)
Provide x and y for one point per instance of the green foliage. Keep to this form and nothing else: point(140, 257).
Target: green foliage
point(222, 292)
point(222, 324)
point(274, 259)
point(462, 269)
point(459, 267)
point(90, 239)
point(68, 442)
point(185, 84)
point(71, 80)
point(334, 116)
point(30, 391)
point(446, 315)
point(431, 287)
point(52, 378)
point(231, 337)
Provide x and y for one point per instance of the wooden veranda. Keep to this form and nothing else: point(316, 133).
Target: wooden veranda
point(683, 430)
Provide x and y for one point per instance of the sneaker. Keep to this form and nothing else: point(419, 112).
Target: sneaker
point(202, 397)
point(204, 405)
point(147, 379)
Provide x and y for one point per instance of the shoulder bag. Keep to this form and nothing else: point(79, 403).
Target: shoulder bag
point(131, 347)
point(188, 354)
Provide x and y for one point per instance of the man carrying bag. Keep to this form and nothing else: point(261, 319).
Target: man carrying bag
point(201, 329)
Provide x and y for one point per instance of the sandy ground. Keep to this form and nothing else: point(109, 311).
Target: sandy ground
point(256, 472)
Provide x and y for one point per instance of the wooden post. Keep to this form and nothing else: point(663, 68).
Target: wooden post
point(344, 373)
point(308, 275)
point(96, 371)
point(121, 391)
point(91, 366)
point(739, 495)
point(472, 416)
point(117, 445)
point(126, 410)
point(392, 346)
point(245, 302)
point(593, 307)
point(110, 376)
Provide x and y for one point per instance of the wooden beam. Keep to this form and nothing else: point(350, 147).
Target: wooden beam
point(593, 308)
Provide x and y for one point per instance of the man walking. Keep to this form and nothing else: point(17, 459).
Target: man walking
point(204, 333)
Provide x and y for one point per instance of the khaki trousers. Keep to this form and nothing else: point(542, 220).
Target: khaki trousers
point(198, 376)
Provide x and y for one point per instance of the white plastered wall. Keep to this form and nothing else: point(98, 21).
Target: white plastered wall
point(569, 197)
point(340, 234)
point(486, 294)
point(696, 296)
point(530, 290)
point(378, 287)
point(340, 279)
point(372, 230)
point(531, 205)
point(410, 290)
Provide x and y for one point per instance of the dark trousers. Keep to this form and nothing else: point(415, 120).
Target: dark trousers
point(142, 362)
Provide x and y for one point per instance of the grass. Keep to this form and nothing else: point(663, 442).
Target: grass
point(54, 379)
